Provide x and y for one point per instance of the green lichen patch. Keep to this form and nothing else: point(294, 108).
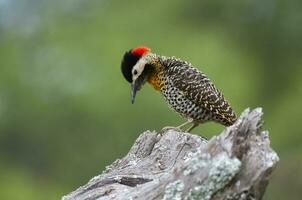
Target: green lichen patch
point(222, 170)
point(174, 190)
point(196, 161)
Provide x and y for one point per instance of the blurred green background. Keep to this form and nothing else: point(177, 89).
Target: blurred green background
point(65, 110)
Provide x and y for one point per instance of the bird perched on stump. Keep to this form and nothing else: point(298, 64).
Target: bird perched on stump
point(187, 90)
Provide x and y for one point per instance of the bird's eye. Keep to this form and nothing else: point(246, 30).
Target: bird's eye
point(135, 72)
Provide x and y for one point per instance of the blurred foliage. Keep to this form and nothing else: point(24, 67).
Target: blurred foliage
point(64, 102)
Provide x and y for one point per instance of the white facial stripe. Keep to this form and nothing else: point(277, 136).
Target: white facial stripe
point(139, 67)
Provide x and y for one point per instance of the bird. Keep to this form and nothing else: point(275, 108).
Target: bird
point(186, 89)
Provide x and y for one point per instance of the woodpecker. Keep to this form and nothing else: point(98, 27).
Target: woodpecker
point(187, 90)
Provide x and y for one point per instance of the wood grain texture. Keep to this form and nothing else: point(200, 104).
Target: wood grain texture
point(235, 164)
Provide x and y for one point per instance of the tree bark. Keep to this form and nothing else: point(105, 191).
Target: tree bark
point(174, 165)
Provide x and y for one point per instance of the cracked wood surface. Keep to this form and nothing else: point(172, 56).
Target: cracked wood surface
point(236, 164)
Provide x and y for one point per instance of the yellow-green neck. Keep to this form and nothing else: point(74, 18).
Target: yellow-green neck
point(156, 77)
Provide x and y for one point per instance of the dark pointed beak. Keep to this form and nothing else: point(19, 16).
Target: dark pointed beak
point(133, 91)
point(138, 83)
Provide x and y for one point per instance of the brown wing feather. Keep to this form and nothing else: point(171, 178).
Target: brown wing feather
point(198, 88)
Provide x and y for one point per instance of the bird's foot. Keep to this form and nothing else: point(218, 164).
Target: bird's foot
point(166, 128)
point(192, 127)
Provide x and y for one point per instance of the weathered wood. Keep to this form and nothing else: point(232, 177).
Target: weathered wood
point(233, 165)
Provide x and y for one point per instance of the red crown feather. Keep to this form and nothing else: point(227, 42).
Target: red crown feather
point(140, 51)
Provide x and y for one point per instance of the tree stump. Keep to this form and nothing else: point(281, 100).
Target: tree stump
point(174, 165)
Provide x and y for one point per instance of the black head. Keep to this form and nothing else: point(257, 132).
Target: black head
point(128, 62)
point(133, 72)
point(130, 59)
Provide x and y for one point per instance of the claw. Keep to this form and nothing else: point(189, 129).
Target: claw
point(166, 128)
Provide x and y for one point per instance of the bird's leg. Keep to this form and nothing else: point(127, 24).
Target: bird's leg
point(190, 121)
point(184, 124)
point(178, 128)
point(192, 126)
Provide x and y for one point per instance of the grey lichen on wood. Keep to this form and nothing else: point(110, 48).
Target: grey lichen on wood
point(235, 164)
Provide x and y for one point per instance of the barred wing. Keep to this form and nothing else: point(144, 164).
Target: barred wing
point(198, 88)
